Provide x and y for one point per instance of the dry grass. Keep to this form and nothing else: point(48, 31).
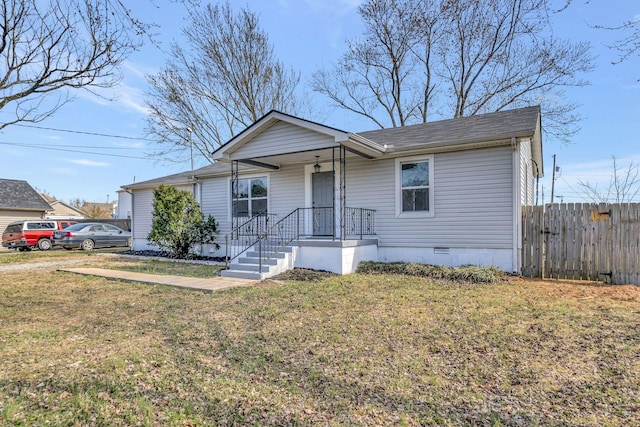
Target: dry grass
point(351, 350)
point(176, 268)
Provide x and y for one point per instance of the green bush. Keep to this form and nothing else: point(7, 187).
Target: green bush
point(469, 273)
point(178, 224)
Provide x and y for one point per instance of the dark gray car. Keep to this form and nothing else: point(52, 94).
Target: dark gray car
point(90, 235)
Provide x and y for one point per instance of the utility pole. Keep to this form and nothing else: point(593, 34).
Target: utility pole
point(191, 145)
point(553, 178)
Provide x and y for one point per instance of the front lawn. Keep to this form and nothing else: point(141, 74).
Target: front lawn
point(363, 349)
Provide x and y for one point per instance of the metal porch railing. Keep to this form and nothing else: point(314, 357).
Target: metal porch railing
point(241, 238)
point(271, 237)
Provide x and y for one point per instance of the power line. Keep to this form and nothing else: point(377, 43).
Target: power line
point(84, 132)
point(53, 146)
point(80, 151)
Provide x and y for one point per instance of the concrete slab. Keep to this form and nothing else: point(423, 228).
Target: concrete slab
point(192, 283)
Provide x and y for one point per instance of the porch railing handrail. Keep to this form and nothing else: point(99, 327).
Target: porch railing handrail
point(286, 230)
point(277, 237)
point(271, 238)
point(245, 236)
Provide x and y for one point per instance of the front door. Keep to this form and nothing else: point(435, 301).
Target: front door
point(322, 199)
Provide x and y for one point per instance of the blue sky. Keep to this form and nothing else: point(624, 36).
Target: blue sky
point(308, 34)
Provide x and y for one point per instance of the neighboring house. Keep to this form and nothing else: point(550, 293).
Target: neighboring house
point(124, 205)
point(61, 210)
point(448, 192)
point(18, 200)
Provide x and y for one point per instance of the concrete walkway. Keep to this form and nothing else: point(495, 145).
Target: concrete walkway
point(193, 283)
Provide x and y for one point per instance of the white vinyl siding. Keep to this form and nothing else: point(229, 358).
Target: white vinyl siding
point(282, 138)
point(286, 190)
point(216, 198)
point(473, 193)
point(527, 180)
point(143, 211)
point(285, 193)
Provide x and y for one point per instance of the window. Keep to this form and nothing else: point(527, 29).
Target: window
point(414, 186)
point(249, 198)
point(41, 226)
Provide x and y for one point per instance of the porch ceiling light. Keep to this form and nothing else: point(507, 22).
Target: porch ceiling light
point(317, 166)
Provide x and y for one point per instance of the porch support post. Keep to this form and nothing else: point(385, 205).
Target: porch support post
point(234, 194)
point(333, 199)
point(343, 192)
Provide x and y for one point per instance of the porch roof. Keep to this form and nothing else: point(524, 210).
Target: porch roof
point(332, 137)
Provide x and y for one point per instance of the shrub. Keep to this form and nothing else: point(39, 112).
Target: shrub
point(178, 224)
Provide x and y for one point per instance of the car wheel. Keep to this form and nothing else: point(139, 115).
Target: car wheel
point(87, 245)
point(44, 244)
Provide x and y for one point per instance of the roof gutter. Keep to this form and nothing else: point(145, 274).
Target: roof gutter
point(361, 143)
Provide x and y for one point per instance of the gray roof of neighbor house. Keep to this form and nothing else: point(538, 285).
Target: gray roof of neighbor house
point(19, 195)
point(522, 122)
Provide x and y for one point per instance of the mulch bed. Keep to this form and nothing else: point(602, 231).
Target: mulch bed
point(168, 255)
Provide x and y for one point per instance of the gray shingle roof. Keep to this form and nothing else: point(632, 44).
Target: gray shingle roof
point(517, 123)
point(185, 177)
point(20, 195)
point(499, 126)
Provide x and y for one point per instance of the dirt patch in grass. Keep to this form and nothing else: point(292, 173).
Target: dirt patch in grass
point(584, 290)
point(303, 275)
point(362, 349)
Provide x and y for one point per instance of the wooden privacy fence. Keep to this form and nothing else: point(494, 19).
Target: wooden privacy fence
point(582, 241)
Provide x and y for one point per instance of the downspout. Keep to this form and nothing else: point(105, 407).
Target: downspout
point(133, 240)
point(537, 179)
point(197, 194)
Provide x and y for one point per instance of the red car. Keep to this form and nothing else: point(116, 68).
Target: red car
point(28, 234)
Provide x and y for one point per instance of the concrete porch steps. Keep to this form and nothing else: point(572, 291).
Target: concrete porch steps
point(248, 266)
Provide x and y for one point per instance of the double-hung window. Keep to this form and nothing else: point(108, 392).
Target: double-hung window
point(414, 186)
point(249, 198)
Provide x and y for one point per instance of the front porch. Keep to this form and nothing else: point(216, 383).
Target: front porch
point(288, 181)
point(263, 246)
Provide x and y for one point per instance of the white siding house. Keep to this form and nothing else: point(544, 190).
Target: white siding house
point(448, 192)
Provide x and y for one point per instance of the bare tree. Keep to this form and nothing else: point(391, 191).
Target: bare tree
point(97, 210)
point(223, 79)
point(624, 185)
point(629, 42)
point(48, 48)
point(386, 75)
point(456, 58)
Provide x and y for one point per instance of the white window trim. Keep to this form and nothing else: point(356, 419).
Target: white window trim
point(229, 195)
point(398, 173)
